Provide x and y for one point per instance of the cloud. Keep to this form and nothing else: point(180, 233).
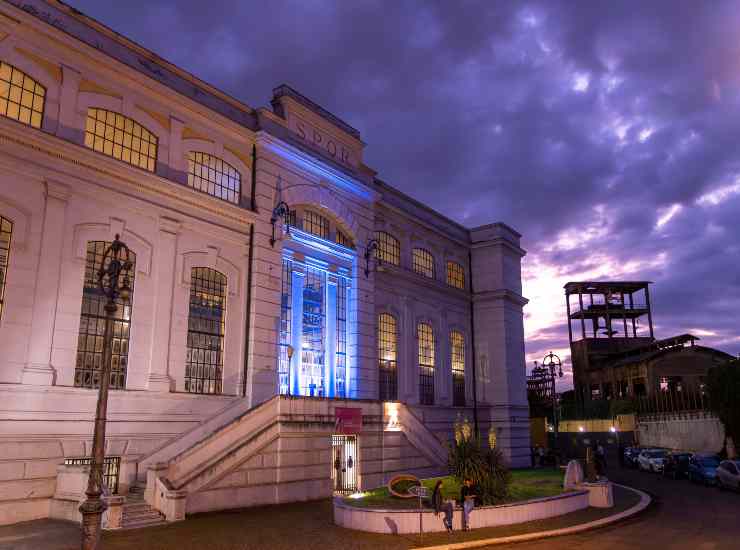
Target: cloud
point(605, 132)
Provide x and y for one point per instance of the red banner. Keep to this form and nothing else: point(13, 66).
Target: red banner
point(347, 420)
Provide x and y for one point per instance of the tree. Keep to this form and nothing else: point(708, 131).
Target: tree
point(723, 386)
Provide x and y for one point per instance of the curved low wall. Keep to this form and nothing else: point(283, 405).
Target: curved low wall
point(407, 521)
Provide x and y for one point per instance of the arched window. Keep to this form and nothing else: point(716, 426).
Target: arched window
point(387, 356)
point(316, 224)
point(6, 231)
point(204, 366)
point(423, 262)
point(214, 176)
point(389, 249)
point(92, 325)
point(425, 335)
point(457, 360)
point(21, 97)
point(344, 240)
point(120, 137)
point(455, 275)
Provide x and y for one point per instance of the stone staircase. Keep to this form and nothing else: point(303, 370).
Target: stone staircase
point(137, 513)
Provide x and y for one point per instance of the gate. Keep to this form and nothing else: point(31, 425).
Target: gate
point(344, 463)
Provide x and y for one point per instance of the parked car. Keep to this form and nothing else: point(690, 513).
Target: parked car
point(676, 464)
point(651, 460)
point(728, 474)
point(703, 468)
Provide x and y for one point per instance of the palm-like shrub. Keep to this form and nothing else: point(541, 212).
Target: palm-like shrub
point(484, 467)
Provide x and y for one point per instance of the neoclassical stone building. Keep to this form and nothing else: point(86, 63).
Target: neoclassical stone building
point(256, 362)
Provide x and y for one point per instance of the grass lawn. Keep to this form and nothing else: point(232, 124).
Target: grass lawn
point(525, 485)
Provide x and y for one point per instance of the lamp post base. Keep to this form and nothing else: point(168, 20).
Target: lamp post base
point(92, 517)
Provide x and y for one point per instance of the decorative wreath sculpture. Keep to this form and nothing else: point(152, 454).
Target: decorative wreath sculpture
point(399, 485)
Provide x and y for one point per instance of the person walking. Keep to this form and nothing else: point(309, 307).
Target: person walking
point(467, 500)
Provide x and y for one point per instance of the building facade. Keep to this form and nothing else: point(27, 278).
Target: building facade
point(614, 351)
point(249, 336)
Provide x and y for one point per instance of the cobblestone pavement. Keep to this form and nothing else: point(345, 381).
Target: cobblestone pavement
point(684, 515)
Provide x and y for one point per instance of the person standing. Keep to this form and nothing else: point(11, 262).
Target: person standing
point(467, 500)
point(442, 506)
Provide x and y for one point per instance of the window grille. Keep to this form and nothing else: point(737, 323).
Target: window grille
point(425, 335)
point(344, 240)
point(120, 137)
point(286, 301)
point(340, 375)
point(92, 325)
point(423, 262)
point(389, 248)
point(316, 224)
point(111, 469)
point(387, 357)
point(6, 231)
point(21, 97)
point(205, 361)
point(455, 275)
point(214, 176)
point(457, 359)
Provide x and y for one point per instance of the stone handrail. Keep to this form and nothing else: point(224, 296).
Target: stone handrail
point(420, 436)
point(195, 435)
point(216, 445)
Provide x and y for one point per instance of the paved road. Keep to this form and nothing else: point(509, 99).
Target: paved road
point(683, 516)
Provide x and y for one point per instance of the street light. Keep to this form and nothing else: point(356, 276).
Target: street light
point(281, 210)
point(554, 365)
point(114, 264)
point(370, 249)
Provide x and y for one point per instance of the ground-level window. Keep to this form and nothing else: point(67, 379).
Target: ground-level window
point(6, 231)
point(344, 463)
point(205, 355)
point(21, 97)
point(387, 356)
point(214, 176)
point(425, 335)
point(457, 359)
point(92, 324)
point(111, 469)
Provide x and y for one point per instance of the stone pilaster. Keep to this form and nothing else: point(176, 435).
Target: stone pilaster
point(164, 275)
point(38, 370)
point(499, 336)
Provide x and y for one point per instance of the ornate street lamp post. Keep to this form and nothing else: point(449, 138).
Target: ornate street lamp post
point(114, 265)
point(553, 363)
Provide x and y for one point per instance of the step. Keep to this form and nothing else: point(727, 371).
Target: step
point(133, 506)
point(138, 524)
point(141, 514)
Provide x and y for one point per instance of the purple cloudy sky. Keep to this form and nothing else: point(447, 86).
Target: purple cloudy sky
point(607, 133)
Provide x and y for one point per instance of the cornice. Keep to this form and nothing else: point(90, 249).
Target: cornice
point(500, 241)
point(498, 295)
point(315, 166)
point(127, 178)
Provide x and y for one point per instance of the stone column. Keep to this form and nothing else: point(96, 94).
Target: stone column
point(164, 277)
point(38, 370)
point(296, 330)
